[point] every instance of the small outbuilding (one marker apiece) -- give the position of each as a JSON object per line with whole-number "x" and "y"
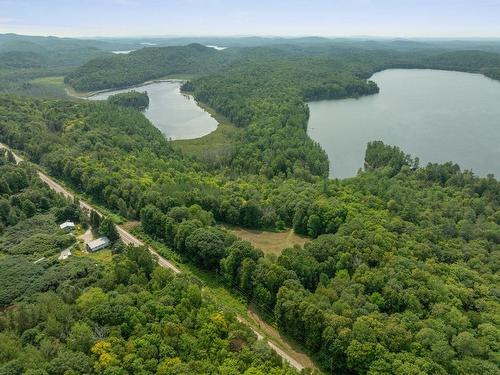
{"x": 98, "y": 244}
{"x": 67, "y": 226}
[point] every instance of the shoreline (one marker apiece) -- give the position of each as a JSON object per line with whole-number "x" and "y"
{"x": 85, "y": 95}
{"x": 189, "y": 95}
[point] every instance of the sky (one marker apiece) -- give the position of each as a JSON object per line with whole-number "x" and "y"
{"x": 330, "y": 18}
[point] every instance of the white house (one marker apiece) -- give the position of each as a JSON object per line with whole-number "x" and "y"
{"x": 98, "y": 244}
{"x": 67, "y": 226}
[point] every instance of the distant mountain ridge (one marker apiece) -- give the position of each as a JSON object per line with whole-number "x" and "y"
{"x": 146, "y": 64}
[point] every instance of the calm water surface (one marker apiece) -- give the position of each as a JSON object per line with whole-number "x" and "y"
{"x": 176, "y": 115}
{"x": 438, "y": 116}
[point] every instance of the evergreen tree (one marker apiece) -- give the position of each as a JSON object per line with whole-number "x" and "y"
{"x": 95, "y": 220}
{"x": 108, "y": 229}
{"x": 11, "y": 158}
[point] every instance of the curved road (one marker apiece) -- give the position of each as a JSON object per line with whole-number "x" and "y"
{"x": 130, "y": 239}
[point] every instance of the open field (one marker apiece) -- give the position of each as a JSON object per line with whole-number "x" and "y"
{"x": 268, "y": 242}
{"x": 51, "y": 86}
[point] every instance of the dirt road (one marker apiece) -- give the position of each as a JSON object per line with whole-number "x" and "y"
{"x": 298, "y": 365}
{"x": 299, "y": 360}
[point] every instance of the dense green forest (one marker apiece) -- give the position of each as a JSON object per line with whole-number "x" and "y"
{"x": 268, "y": 101}
{"x": 129, "y": 317}
{"x": 402, "y": 275}
{"x": 24, "y": 59}
{"x": 143, "y": 65}
{"x": 79, "y": 316}
{"x": 359, "y": 58}
{"x": 132, "y": 99}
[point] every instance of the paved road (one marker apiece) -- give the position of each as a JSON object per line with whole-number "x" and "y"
{"x": 130, "y": 239}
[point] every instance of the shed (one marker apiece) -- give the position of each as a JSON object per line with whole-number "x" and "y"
{"x": 67, "y": 226}
{"x": 98, "y": 244}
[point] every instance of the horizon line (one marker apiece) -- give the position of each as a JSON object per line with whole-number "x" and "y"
{"x": 263, "y": 36}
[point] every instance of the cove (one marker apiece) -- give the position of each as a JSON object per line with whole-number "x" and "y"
{"x": 438, "y": 116}
{"x": 175, "y": 114}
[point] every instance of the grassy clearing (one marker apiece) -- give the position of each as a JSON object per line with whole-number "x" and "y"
{"x": 212, "y": 145}
{"x": 214, "y": 286}
{"x": 268, "y": 242}
{"x": 76, "y": 94}
{"x": 101, "y": 256}
{"x": 52, "y": 86}
{"x": 53, "y": 80}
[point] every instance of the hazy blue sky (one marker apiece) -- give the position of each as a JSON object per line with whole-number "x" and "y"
{"x": 405, "y": 18}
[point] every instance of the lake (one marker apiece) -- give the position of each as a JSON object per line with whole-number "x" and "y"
{"x": 175, "y": 114}
{"x": 438, "y": 116}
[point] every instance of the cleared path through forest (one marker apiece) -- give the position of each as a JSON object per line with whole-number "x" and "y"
{"x": 299, "y": 361}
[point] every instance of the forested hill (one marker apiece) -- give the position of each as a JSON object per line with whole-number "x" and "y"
{"x": 268, "y": 100}
{"x": 487, "y": 63}
{"x": 49, "y": 51}
{"x": 145, "y": 64}
{"x": 360, "y": 57}
{"x": 401, "y": 278}
{"x": 24, "y": 60}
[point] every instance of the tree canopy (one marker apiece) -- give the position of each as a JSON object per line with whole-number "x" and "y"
{"x": 400, "y": 276}
{"x": 132, "y": 99}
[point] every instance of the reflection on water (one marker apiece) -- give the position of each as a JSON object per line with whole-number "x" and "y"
{"x": 176, "y": 115}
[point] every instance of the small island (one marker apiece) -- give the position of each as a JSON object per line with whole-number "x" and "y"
{"x": 131, "y": 99}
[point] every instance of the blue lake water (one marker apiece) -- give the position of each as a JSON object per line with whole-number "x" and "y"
{"x": 436, "y": 115}
{"x": 175, "y": 114}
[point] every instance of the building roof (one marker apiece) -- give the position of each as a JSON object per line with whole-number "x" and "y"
{"x": 67, "y": 224}
{"x": 103, "y": 241}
